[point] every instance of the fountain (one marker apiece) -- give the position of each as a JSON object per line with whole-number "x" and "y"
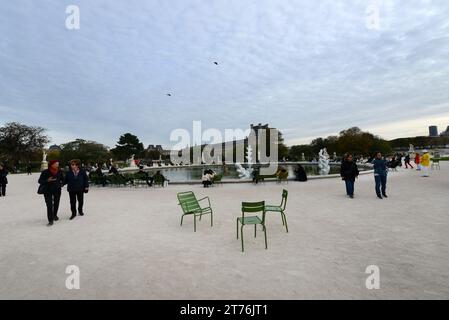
{"x": 323, "y": 162}
{"x": 411, "y": 149}
{"x": 246, "y": 173}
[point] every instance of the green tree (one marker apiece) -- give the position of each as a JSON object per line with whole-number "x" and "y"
{"x": 86, "y": 151}
{"x": 127, "y": 146}
{"x": 295, "y": 152}
{"x": 19, "y": 142}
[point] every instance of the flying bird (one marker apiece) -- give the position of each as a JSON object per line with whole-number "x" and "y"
{"x": 216, "y": 63}
{"x": 169, "y": 94}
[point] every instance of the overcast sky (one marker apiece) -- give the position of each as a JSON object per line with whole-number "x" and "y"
{"x": 309, "y": 68}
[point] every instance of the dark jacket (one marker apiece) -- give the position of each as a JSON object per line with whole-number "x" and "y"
{"x": 380, "y": 167}
{"x": 113, "y": 170}
{"x": 3, "y": 178}
{"x": 78, "y": 183}
{"x": 300, "y": 173}
{"x": 54, "y": 186}
{"x": 349, "y": 170}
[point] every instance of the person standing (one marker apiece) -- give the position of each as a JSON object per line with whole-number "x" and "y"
{"x": 29, "y": 168}
{"x": 3, "y": 180}
{"x": 380, "y": 175}
{"x": 77, "y": 184}
{"x": 425, "y": 163}
{"x": 52, "y": 180}
{"x": 407, "y": 162}
{"x": 418, "y": 161}
{"x": 349, "y": 172}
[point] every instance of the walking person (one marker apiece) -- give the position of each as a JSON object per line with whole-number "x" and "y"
{"x": 51, "y": 181}
{"x": 407, "y": 162}
{"x": 3, "y": 180}
{"x": 425, "y": 163}
{"x": 418, "y": 161}
{"x": 349, "y": 172}
{"x": 29, "y": 168}
{"x": 77, "y": 184}
{"x": 380, "y": 175}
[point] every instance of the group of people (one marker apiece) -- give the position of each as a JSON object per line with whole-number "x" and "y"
{"x": 349, "y": 173}
{"x": 53, "y": 179}
{"x": 208, "y": 178}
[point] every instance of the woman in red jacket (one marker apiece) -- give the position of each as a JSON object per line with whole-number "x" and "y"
{"x": 417, "y": 161}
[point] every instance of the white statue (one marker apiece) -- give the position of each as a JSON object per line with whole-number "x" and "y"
{"x": 303, "y": 157}
{"x": 323, "y": 162}
{"x": 44, "y": 163}
{"x": 132, "y": 162}
{"x": 411, "y": 149}
{"x": 246, "y": 173}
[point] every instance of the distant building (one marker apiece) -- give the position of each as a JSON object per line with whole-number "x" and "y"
{"x": 54, "y": 148}
{"x": 445, "y": 133}
{"x": 152, "y": 147}
{"x": 433, "y": 131}
{"x": 158, "y": 147}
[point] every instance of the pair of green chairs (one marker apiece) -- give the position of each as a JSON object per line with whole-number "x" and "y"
{"x": 260, "y": 207}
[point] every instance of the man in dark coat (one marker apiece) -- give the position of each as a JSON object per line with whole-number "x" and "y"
{"x": 52, "y": 179}
{"x": 3, "y": 180}
{"x": 349, "y": 172}
{"x": 77, "y": 184}
{"x": 380, "y": 175}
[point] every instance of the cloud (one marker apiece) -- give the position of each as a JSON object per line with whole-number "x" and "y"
{"x": 312, "y": 67}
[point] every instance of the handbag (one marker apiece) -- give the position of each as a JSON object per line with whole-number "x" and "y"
{"x": 42, "y": 189}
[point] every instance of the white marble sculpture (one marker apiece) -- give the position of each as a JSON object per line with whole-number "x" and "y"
{"x": 132, "y": 162}
{"x": 303, "y": 157}
{"x": 246, "y": 173}
{"x": 323, "y": 162}
{"x": 411, "y": 149}
{"x": 44, "y": 163}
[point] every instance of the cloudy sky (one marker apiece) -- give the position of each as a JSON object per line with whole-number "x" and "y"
{"x": 309, "y": 68}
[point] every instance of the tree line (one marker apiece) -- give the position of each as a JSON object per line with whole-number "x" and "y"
{"x": 20, "y": 144}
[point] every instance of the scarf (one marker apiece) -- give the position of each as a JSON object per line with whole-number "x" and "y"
{"x": 53, "y": 171}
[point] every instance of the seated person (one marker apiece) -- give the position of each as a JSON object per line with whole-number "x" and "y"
{"x": 206, "y": 179}
{"x": 145, "y": 176}
{"x": 100, "y": 175}
{"x": 159, "y": 178}
{"x": 300, "y": 173}
{"x": 113, "y": 170}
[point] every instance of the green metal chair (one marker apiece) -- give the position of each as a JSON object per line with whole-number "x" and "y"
{"x": 280, "y": 208}
{"x": 190, "y": 206}
{"x": 252, "y": 207}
